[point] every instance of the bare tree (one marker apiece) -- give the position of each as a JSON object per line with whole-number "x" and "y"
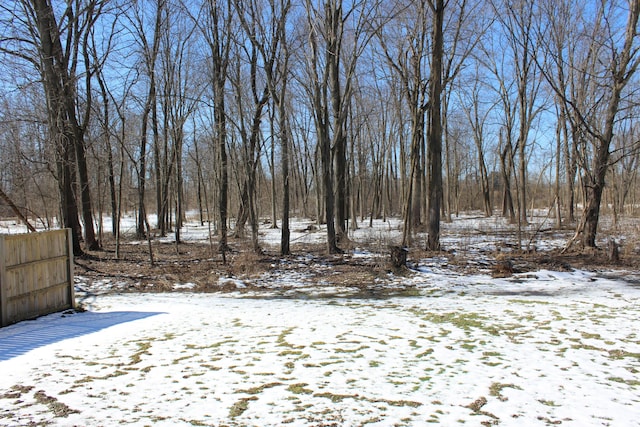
{"x": 516, "y": 19}
{"x": 42, "y": 47}
{"x": 434, "y": 133}
{"x": 477, "y": 116}
{"x": 215, "y": 23}
{"x": 405, "y": 55}
{"x": 149, "y": 50}
{"x": 180, "y": 89}
{"x": 330, "y": 28}
{"x": 604, "y": 61}
{"x": 263, "y": 25}
{"x": 278, "y": 81}
{"x": 465, "y": 25}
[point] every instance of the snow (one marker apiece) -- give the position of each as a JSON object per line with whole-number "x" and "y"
{"x": 538, "y": 348}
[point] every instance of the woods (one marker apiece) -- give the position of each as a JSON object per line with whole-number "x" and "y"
{"x": 343, "y": 111}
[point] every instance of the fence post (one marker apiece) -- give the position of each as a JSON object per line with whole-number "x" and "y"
{"x": 70, "y": 265}
{"x": 3, "y": 282}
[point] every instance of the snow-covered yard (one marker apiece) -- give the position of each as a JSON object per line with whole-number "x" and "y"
{"x": 446, "y": 347}
{"x": 557, "y": 348}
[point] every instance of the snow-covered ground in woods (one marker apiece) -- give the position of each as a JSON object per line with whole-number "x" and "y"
{"x": 541, "y": 348}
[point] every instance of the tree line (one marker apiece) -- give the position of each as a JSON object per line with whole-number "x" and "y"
{"x": 339, "y": 110}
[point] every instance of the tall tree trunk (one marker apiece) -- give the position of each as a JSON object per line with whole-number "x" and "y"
{"x": 435, "y": 129}
{"x": 142, "y": 168}
{"x": 55, "y": 78}
{"x": 221, "y": 137}
{"x": 67, "y": 195}
{"x": 285, "y": 236}
{"x": 180, "y": 210}
{"x": 559, "y": 126}
{"x": 329, "y": 199}
{"x": 506, "y": 160}
{"x": 272, "y": 171}
{"x": 110, "y": 165}
{"x": 417, "y": 149}
{"x": 85, "y": 192}
{"x": 571, "y": 166}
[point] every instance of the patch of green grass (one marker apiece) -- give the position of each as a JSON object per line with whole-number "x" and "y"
{"x": 374, "y": 363}
{"x": 587, "y": 335}
{"x": 495, "y": 389}
{"x": 548, "y": 402}
{"x": 353, "y": 350}
{"x": 468, "y": 346}
{"x": 461, "y": 320}
{"x": 424, "y": 353}
{"x": 299, "y": 388}
{"x": 632, "y": 383}
{"x": 196, "y": 423}
{"x": 526, "y": 301}
{"x": 409, "y": 403}
{"x": 290, "y": 353}
{"x": 282, "y": 339}
{"x": 240, "y": 406}
{"x": 336, "y": 398}
{"x": 259, "y": 389}
{"x": 409, "y": 292}
{"x": 212, "y": 345}
{"x": 582, "y": 346}
{"x": 333, "y": 362}
{"x": 88, "y": 379}
{"x": 180, "y": 359}
{"x": 143, "y": 348}
{"x": 210, "y": 367}
{"x": 621, "y": 354}
{"x": 197, "y": 374}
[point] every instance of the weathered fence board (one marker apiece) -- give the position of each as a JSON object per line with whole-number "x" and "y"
{"x": 36, "y": 275}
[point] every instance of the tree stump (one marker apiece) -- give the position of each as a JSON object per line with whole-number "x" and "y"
{"x": 399, "y": 256}
{"x": 503, "y": 268}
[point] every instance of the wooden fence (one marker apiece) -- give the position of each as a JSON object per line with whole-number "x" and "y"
{"x": 36, "y": 275}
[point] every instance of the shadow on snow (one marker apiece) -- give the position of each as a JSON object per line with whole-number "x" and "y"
{"x": 28, "y": 335}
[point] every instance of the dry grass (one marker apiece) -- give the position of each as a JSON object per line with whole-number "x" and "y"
{"x": 198, "y": 263}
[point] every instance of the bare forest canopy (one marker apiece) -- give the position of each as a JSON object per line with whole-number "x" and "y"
{"x": 243, "y": 110}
